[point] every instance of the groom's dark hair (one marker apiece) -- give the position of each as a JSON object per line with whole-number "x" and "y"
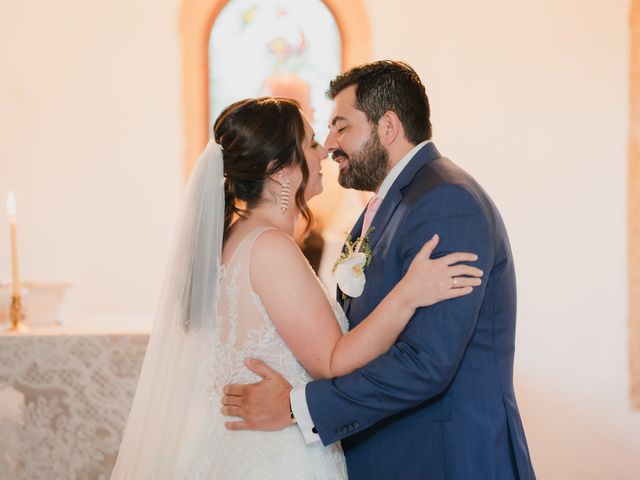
{"x": 388, "y": 85}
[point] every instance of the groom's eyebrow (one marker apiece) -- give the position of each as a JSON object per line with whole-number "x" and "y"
{"x": 336, "y": 119}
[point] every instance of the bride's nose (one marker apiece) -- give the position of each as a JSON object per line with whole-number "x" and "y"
{"x": 324, "y": 153}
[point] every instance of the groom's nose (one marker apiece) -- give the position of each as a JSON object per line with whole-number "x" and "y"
{"x": 330, "y": 142}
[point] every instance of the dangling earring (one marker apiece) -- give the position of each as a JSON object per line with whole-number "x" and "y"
{"x": 284, "y": 195}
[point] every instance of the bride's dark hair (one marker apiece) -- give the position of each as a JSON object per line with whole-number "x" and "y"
{"x": 259, "y": 136}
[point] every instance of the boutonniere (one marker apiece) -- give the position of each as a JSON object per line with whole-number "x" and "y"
{"x": 349, "y": 268}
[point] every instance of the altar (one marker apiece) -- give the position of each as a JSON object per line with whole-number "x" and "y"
{"x": 65, "y": 394}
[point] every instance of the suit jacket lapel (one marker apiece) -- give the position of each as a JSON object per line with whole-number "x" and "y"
{"x": 357, "y": 228}
{"x": 390, "y": 203}
{"x": 384, "y": 214}
{"x": 393, "y": 197}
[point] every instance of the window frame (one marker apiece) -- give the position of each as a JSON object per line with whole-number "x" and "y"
{"x": 633, "y": 211}
{"x": 196, "y": 20}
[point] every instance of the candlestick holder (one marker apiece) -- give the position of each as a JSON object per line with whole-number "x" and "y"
{"x": 15, "y": 313}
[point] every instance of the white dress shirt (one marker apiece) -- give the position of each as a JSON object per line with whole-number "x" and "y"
{"x": 298, "y": 395}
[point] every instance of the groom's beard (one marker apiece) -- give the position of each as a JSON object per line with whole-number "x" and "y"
{"x": 367, "y": 168}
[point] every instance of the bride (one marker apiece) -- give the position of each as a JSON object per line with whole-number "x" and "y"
{"x": 244, "y": 289}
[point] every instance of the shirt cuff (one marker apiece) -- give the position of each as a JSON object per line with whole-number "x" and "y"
{"x": 298, "y": 397}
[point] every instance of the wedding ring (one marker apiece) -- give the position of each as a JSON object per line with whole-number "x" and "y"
{"x": 454, "y": 281}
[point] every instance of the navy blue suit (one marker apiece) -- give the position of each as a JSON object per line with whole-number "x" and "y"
{"x": 440, "y": 403}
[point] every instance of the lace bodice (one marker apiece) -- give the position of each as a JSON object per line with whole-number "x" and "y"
{"x": 244, "y": 329}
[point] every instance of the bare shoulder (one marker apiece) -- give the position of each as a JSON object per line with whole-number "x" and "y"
{"x": 274, "y": 242}
{"x": 275, "y": 251}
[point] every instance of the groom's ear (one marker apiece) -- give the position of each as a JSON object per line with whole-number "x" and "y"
{"x": 389, "y": 128}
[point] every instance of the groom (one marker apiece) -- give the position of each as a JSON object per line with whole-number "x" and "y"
{"x": 440, "y": 403}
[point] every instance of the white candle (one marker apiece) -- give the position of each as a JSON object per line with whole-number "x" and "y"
{"x": 11, "y": 210}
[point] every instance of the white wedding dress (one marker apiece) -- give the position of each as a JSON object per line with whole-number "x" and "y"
{"x": 243, "y": 329}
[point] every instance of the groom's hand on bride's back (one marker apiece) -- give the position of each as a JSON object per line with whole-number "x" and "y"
{"x": 263, "y": 405}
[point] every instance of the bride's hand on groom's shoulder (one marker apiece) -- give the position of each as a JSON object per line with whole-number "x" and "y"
{"x": 429, "y": 281}
{"x": 263, "y": 405}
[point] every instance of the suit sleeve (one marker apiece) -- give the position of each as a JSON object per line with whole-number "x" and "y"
{"x": 426, "y": 357}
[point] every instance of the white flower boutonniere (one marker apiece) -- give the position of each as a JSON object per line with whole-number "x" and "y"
{"x": 349, "y": 268}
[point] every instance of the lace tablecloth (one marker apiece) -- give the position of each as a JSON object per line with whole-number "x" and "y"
{"x": 64, "y": 401}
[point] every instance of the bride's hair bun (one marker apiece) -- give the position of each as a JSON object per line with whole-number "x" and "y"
{"x": 259, "y": 136}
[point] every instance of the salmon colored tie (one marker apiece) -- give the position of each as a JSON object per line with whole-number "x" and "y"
{"x": 372, "y": 208}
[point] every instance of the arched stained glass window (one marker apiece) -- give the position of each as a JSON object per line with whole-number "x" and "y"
{"x": 288, "y": 48}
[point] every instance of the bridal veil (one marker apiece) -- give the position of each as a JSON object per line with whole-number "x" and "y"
{"x": 169, "y": 397}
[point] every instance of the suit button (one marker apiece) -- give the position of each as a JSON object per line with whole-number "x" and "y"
{"x": 314, "y": 430}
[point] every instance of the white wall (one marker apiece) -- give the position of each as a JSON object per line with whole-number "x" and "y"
{"x": 529, "y": 96}
{"x": 90, "y": 140}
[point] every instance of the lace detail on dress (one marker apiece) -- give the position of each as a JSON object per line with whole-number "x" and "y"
{"x": 341, "y": 317}
{"x": 232, "y": 302}
{"x": 243, "y": 330}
